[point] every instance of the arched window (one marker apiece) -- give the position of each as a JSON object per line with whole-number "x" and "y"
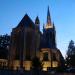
{"x": 45, "y": 58}
{"x": 28, "y": 45}
{"x": 54, "y": 57}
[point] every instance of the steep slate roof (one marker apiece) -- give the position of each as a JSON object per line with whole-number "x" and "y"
{"x": 27, "y": 22}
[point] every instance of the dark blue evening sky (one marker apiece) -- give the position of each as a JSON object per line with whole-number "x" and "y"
{"x": 62, "y": 14}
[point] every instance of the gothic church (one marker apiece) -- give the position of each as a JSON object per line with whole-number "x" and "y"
{"x": 27, "y": 41}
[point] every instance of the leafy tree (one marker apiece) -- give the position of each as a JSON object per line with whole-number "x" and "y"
{"x": 4, "y": 45}
{"x": 36, "y": 66}
{"x": 70, "y": 48}
{"x": 4, "y": 40}
{"x": 36, "y": 63}
{"x": 70, "y": 55}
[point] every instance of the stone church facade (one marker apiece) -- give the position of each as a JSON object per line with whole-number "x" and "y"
{"x": 27, "y": 41}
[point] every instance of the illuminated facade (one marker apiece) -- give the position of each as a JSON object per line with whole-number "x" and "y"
{"x": 27, "y": 41}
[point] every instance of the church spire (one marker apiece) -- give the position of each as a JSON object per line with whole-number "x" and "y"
{"x": 37, "y": 23}
{"x": 49, "y": 24}
{"x": 48, "y": 17}
{"x": 37, "y": 20}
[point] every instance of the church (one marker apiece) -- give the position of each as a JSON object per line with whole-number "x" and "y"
{"x": 27, "y": 41}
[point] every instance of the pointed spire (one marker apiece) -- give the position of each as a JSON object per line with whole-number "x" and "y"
{"x": 48, "y": 17}
{"x": 37, "y": 23}
{"x": 49, "y": 23}
{"x": 53, "y": 25}
{"x": 37, "y": 20}
{"x": 43, "y": 27}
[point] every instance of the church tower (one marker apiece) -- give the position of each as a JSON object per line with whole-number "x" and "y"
{"x": 37, "y": 35}
{"x": 50, "y": 54}
{"x": 37, "y": 23}
{"x": 49, "y": 32}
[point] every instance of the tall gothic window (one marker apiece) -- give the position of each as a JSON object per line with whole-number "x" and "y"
{"x": 45, "y": 58}
{"x": 54, "y": 57}
{"x": 28, "y": 45}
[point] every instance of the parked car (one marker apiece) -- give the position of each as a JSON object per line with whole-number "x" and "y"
{"x": 72, "y": 70}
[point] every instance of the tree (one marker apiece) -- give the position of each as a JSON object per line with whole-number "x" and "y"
{"x": 70, "y": 47}
{"x": 36, "y": 63}
{"x": 4, "y": 40}
{"x": 70, "y": 55}
{"x": 4, "y": 46}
